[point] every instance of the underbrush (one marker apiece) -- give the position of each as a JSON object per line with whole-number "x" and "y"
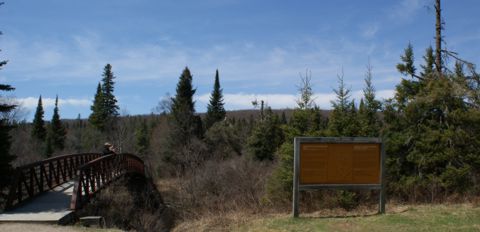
{"x": 131, "y": 203}
{"x": 225, "y": 194}
{"x": 217, "y": 187}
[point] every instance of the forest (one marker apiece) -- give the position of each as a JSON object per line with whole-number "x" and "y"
{"x": 220, "y": 162}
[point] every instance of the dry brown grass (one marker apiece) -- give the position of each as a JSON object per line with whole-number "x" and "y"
{"x": 212, "y": 194}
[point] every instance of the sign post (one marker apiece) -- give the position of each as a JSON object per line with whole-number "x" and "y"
{"x": 338, "y": 163}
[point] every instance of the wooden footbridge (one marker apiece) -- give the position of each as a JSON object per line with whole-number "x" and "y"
{"x": 52, "y": 190}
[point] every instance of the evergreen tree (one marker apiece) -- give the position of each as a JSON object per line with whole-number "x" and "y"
{"x": 104, "y": 108}
{"x": 110, "y": 106}
{"x": 305, "y": 121}
{"x": 409, "y": 88}
{"x": 48, "y": 147}
{"x": 343, "y": 120}
{"x": 97, "y": 118}
{"x": 283, "y": 119}
{"x": 432, "y": 137}
{"x": 183, "y": 108}
{"x": 370, "y": 123}
{"x": 407, "y": 66}
{"x": 185, "y": 127}
{"x": 215, "y": 110}
{"x": 142, "y": 139}
{"x": 38, "y": 131}
{"x": 429, "y": 58}
{"x": 6, "y": 158}
{"x": 57, "y": 132}
{"x": 266, "y": 137}
{"x": 306, "y": 93}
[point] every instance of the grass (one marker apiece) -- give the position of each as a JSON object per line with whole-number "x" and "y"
{"x": 459, "y": 217}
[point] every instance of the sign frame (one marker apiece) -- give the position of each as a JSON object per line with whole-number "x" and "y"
{"x": 336, "y": 140}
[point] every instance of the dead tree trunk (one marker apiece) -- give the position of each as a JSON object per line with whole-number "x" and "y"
{"x": 438, "y": 38}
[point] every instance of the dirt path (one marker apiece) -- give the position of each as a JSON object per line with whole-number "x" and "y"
{"x": 27, "y": 227}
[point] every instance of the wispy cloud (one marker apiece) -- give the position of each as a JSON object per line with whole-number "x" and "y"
{"x": 404, "y": 10}
{"x": 370, "y": 30}
{"x": 81, "y": 59}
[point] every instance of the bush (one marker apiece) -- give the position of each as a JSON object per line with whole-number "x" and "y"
{"x": 348, "y": 200}
{"x": 219, "y": 186}
{"x": 131, "y": 203}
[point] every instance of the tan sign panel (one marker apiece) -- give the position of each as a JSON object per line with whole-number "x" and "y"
{"x": 340, "y": 163}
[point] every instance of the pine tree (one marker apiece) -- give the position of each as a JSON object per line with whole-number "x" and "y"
{"x": 306, "y": 94}
{"x": 109, "y": 101}
{"x": 429, "y": 59}
{"x": 97, "y": 118}
{"x": 48, "y": 147}
{"x": 185, "y": 127}
{"x": 342, "y": 120}
{"x": 142, "y": 139}
{"x": 305, "y": 121}
{"x": 183, "y": 107}
{"x": 266, "y": 137}
{"x": 407, "y": 67}
{"x": 409, "y": 88}
{"x": 370, "y": 123}
{"x": 283, "y": 119}
{"x": 104, "y": 108}
{"x": 6, "y": 158}
{"x": 215, "y": 110}
{"x": 57, "y": 132}
{"x": 432, "y": 138}
{"x": 38, "y": 131}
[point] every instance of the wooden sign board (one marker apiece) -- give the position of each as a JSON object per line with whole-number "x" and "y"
{"x": 338, "y": 163}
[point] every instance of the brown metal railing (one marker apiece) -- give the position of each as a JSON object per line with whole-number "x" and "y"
{"x": 36, "y": 178}
{"x": 94, "y": 175}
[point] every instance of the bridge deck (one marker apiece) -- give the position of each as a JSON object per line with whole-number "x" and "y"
{"x": 50, "y": 207}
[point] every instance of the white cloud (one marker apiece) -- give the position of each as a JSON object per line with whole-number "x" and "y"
{"x": 280, "y": 101}
{"x": 32, "y": 102}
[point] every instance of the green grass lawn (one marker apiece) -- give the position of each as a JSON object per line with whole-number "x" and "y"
{"x": 413, "y": 218}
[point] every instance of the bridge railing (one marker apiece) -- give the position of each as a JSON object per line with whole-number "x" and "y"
{"x": 33, "y": 179}
{"x": 99, "y": 172}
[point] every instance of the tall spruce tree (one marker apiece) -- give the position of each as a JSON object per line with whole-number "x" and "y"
{"x": 57, "y": 132}
{"x": 97, "y": 117}
{"x": 109, "y": 101}
{"x": 215, "y": 110}
{"x": 104, "y": 108}
{"x": 38, "y": 131}
{"x": 6, "y": 158}
{"x": 183, "y": 107}
{"x": 184, "y": 125}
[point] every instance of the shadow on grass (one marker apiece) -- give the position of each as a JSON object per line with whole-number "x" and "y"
{"x": 362, "y": 215}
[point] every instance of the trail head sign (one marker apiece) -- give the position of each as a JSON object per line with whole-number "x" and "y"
{"x": 338, "y": 163}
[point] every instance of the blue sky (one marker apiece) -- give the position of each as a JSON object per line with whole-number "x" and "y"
{"x": 260, "y": 47}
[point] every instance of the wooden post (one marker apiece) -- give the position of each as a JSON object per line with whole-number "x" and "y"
{"x": 296, "y": 171}
{"x": 381, "y": 208}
